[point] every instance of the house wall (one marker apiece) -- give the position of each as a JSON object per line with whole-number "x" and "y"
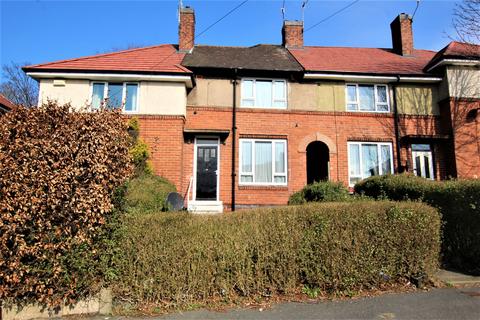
{"x": 417, "y": 99}
{"x": 155, "y": 98}
{"x": 316, "y": 96}
{"x": 299, "y": 128}
{"x": 76, "y": 92}
{"x": 463, "y": 82}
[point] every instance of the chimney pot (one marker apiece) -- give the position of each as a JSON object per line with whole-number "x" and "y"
{"x": 292, "y": 34}
{"x": 186, "y": 29}
{"x": 402, "y": 35}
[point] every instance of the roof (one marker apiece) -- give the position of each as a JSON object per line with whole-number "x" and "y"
{"x": 460, "y": 50}
{"x": 155, "y": 59}
{"x": 362, "y": 60}
{"x": 260, "y": 57}
{"x": 7, "y": 104}
{"x": 456, "y": 50}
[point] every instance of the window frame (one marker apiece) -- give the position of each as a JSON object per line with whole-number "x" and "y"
{"x": 252, "y": 173}
{"x": 379, "y": 154}
{"x": 254, "y": 97}
{"x": 375, "y": 92}
{"x": 124, "y": 93}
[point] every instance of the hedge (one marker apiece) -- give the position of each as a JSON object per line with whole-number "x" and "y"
{"x": 59, "y": 169}
{"x": 458, "y": 202}
{"x": 147, "y": 194}
{"x": 179, "y": 259}
{"x": 320, "y": 191}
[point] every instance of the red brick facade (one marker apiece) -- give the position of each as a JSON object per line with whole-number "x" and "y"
{"x": 173, "y": 152}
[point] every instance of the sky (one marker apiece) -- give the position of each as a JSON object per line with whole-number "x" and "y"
{"x": 43, "y": 31}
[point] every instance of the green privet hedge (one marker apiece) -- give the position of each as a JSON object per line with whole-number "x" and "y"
{"x": 458, "y": 202}
{"x": 147, "y": 194}
{"x": 329, "y": 246}
{"x": 320, "y": 191}
{"x": 58, "y": 170}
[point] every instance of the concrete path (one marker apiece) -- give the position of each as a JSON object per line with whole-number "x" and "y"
{"x": 446, "y": 303}
{"x": 456, "y": 278}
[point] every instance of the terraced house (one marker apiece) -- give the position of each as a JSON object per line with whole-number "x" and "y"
{"x": 245, "y": 126}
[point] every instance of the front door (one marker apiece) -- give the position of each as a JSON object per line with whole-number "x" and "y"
{"x": 422, "y": 161}
{"x": 207, "y": 170}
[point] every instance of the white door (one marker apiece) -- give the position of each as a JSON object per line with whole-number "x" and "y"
{"x": 423, "y": 164}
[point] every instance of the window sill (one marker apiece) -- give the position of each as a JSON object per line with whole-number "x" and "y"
{"x": 263, "y": 187}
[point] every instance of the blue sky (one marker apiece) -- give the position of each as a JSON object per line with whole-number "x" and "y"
{"x": 42, "y": 31}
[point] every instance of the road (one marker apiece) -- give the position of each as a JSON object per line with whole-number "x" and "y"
{"x": 446, "y": 303}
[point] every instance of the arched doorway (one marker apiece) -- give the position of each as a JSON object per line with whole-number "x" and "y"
{"x": 318, "y": 158}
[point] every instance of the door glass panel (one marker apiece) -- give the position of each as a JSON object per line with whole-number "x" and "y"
{"x": 418, "y": 166}
{"x": 420, "y": 147}
{"x": 427, "y": 166}
{"x": 207, "y": 141}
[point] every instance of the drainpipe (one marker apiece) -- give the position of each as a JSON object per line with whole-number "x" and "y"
{"x": 234, "y": 136}
{"x": 397, "y": 125}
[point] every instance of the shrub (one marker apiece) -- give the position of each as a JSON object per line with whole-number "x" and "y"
{"x": 139, "y": 151}
{"x": 329, "y": 246}
{"x": 59, "y": 169}
{"x": 147, "y": 194}
{"x": 320, "y": 191}
{"x": 458, "y": 202}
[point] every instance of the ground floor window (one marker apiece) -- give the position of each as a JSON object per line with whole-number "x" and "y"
{"x": 367, "y": 159}
{"x": 263, "y": 162}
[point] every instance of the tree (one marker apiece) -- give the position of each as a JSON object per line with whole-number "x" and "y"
{"x": 466, "y": 21}
{"x": 17, "y": 86}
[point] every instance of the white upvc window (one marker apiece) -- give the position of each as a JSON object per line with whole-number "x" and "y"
{"x": 264, "y": 93}
{"x": 263, "y": 162}
{"x": 367, "y": 159}
{"x": 123, "y": 95}
{"x": 367, "y": 97}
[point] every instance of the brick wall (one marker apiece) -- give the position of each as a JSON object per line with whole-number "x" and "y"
{"x": 292, "y": 34}
{"x": 186, "y": 29}
{"x": 172, "y": 153}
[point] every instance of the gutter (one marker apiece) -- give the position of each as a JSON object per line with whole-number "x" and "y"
{"x": 113, "y": 76}
{"x": 455, "y": 62}
{"x": 397, "y": 126}
{"x": 384, "y": 79}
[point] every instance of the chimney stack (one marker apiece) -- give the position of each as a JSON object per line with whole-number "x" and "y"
{"x": 292, "y": 34}
{"x": 186, "y": 29}
{"x": 402, "y": 35}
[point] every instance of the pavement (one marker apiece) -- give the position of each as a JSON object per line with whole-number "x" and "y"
{"x": 443, "y": 303}
{"x": 461, "y": 300}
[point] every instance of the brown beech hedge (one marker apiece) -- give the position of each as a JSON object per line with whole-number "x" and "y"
{"x": 58, "y": 171}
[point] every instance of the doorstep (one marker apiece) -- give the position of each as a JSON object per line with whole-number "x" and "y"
{"x": 205, "y": 207}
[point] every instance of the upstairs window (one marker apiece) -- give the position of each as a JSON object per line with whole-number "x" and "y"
{"x": 367, "y": 98}
{"x": 263, "y": 93}
{"x": 123, "y": 95}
